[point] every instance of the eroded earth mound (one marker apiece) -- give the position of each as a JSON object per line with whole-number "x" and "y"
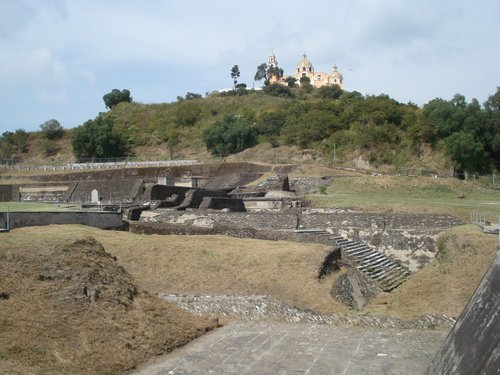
{"x": 72, "y": 309}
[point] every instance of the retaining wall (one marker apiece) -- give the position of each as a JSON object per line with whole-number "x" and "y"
{"x": 9, "y": 193}
{"x": 104, "y": 220}
{"x": 473, "y": 344}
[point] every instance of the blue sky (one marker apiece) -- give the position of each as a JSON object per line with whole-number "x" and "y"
{"x": 58, "y": 58}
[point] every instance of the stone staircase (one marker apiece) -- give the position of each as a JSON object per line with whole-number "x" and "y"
{"x": 384, "y": 271}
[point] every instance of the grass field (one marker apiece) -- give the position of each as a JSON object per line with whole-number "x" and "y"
{"x": 34, "y": 206}
{"x": 411, "y": 194}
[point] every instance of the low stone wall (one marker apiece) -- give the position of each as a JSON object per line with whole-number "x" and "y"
{"x": 104, "y": 220}
{"x": 143, "y": 227}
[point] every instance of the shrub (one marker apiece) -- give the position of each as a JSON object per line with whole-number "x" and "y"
{"x": 231, "y": 135}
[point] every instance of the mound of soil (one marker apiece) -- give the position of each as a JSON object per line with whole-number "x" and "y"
{"x": 72, "y": 309}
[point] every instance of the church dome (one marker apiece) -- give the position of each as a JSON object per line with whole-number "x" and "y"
{"x": 337, "y": 74}
{"x": 304, "y": 63}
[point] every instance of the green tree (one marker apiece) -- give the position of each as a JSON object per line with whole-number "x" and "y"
{"x": 467, "y": 153}
{"x": 270, "y": 123}
{"x": 231, "y": 135}
{"x": 305, "y": 84}
{"x": 329, "y": 92}
{"x": 261, "y": 73}
{"x": 14, "y": 142}
{"x": 291, "y": 81}
{"x": 192, "y": 96}
{"x": 235, "y": 73}
{"x": 97, "y": 139}
{"x": 52, "y": 129}
{"x": 115, "y": 97}
{"x": 275, "y": 89}
{"x": 274, "y": 71}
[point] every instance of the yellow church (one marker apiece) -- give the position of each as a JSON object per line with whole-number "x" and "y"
{"x": 306, "y": 69}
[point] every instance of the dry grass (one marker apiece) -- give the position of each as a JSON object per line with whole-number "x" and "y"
{"x": 209, "y": 264}
{"x": 447, "y": 283}
{"x": 50, "y": 325}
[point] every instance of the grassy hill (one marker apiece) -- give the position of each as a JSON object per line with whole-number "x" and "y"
{"x": 369, "y": 132}
{"x": 303, "y": 130}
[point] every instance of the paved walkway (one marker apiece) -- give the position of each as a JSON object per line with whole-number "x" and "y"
{"x": 282, "y": 348}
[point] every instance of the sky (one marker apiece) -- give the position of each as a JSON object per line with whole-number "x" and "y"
{"x": 58, "y": 58}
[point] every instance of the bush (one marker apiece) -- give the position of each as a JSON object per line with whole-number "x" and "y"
{"x": 52, "y": 129}
{"x": 329, "y": 92}
{"x": 13, "y": 143}
{"x": 229, "y": 136}
{"x": 96, "y": 138}
{"x": 275, "y": 89}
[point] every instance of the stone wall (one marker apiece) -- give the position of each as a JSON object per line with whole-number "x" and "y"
{"x": 105, "y": 220}
{"x": 221, "y": 203}
{"x": 109, "y": 190}
{"x": 410, "y": 239}
{"x": 161, "y": 192}
{"x": 194, "y": 197}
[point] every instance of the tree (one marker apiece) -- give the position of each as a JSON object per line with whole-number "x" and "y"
{"x": 52, "y": 129}
{"x": 261, "y": 73}
{"x": 192, "y": 95}
{"x": 467, "y": 153}
{"x": 232, "y": 134}
{"x": 235, "y": 73}
{"x": 172, "y": 139}
{"x": 14, "y": 142}
{"x": 291, "y": 81}
{"x": 115, "y": 97}
{"x": 305, "y": 84}
{"x": 274, "y": 71}
{"x": 329, "y": 92}
{"x": 97, "y": 139}
{"x": 275, "y": 89}
{"x": 270, "y": 123}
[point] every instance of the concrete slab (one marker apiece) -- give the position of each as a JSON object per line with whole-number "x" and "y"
{"x": 281, "y": 348}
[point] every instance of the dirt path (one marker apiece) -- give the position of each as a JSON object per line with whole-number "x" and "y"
{"x": 281, "y": 348}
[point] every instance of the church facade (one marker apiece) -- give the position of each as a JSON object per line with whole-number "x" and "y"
{"x": 306, "y": 69}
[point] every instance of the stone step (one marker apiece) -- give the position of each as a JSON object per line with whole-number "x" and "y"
{"x": 397, "y": 275}
{"x": 374, "y": 255}
{"x": 384, "y": 271}
{"x": 350, "y": 245}
{"x": 376, "y": 265}
{"x": 358, "y": 255}
{"x": 356, "y": 250}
